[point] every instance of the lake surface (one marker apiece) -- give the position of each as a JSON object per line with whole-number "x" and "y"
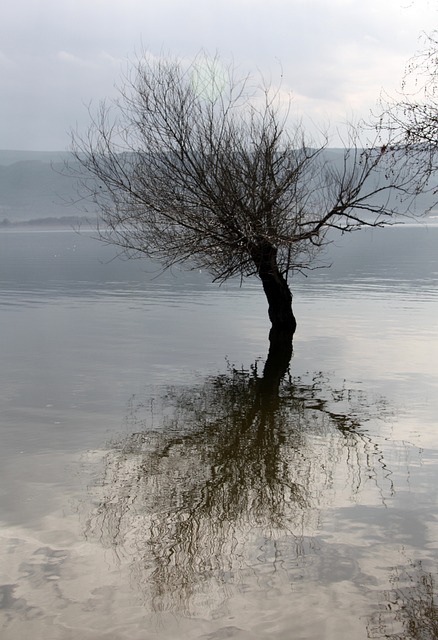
{"x": 157, "y": 483}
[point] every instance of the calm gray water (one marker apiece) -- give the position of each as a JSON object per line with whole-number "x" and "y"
{"x": 154, "y": 486}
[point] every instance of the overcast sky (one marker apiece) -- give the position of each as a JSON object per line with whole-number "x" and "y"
{"x": 336, "y": 55}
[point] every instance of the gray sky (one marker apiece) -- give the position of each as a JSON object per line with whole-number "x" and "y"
{"x": 336, "y": 55}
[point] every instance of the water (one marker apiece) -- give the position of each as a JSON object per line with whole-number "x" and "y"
{"x": 157, "y": 484}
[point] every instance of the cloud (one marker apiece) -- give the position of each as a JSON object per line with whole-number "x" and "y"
{"x": 69, "y": 58}
{"x": 333, "y": 55}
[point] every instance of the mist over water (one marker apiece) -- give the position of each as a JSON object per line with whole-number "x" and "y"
{"x": 158, "y": 481}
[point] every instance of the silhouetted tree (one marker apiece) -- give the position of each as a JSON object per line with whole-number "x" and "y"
{"x": 195, "y": 165}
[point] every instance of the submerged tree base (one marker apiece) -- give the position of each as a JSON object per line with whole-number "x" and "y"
{"x": 279, "y": 357}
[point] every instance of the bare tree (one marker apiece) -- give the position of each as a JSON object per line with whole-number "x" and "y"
{"x": 195, "y": 165}
{"x": 411, "y": 118}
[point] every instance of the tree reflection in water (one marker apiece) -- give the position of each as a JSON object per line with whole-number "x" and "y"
{"x": 225, "y": 479}
{"x": 411, "y": 609}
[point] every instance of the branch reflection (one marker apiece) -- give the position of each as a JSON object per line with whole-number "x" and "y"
{"x": 411, "y": 609}
{"x": 225, "y": 479}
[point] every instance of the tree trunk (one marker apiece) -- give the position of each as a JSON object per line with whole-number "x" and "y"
{"x": 276, "y": 290}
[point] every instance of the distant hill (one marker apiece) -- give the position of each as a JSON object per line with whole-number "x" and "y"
{"x": 35, "y": 186}
{"x": 8, "y": 157}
